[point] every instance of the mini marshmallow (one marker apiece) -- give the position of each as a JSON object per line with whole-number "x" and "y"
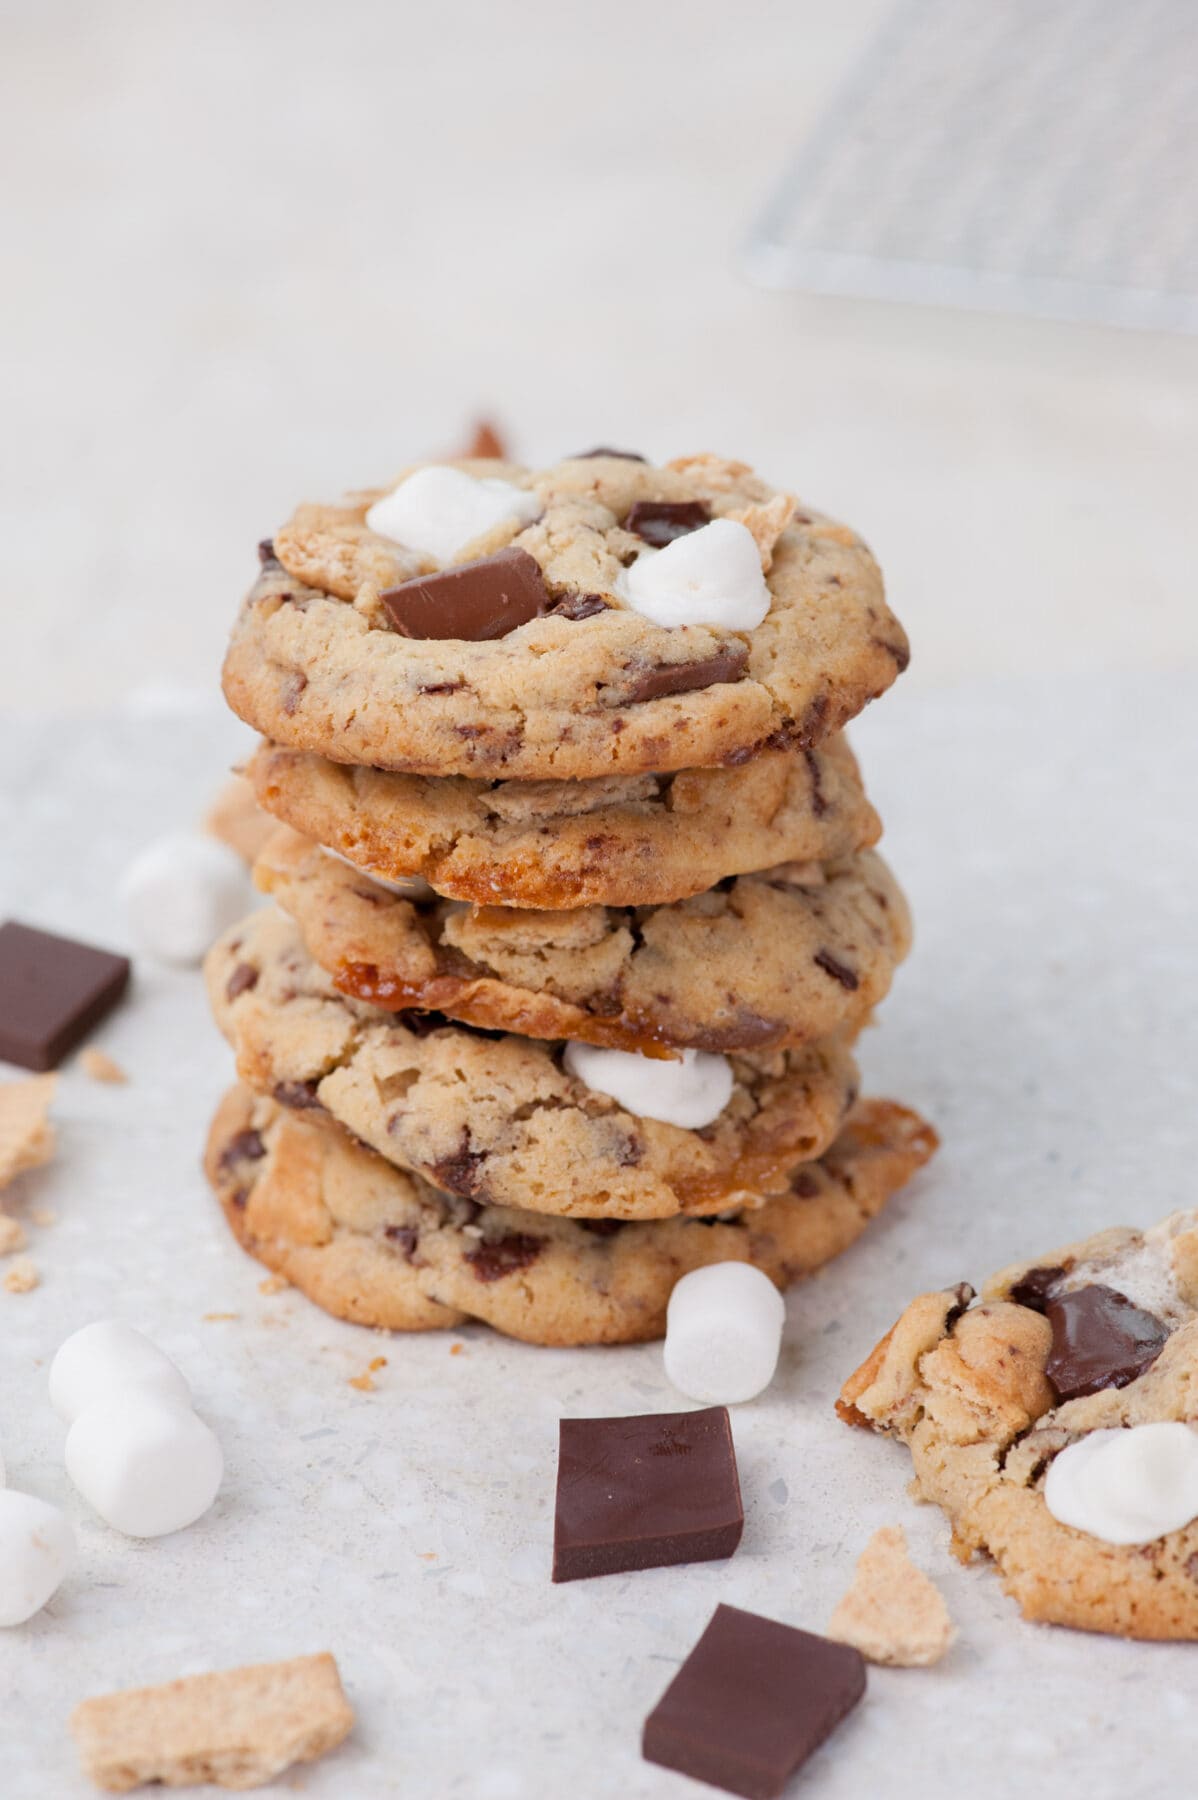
{"x": 105, "y": 1357}
{"x": 181, "y": 892}
{"x": 709, "y": 577}
{"x": 723, "y": 1333}
{"x": 1126, "y": 1486}
{"x": 440, "y": 511}
{"x": 144, "y": 1461}
{"x": 690, "y": 1091}
{"x": 37, "y": 1549}
{"x": 411, "y": 887}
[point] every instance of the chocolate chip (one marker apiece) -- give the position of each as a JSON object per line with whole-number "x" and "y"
{"x": 604, "y": 450}
{"x": 745, "y": 1030}
{"x": 459, "y": 1174}
{"x": 496, "y": 1257}
{"x": 659, "y": 522}
{"x": 1034, "y": 1289}
{"x": 474, "y": 602}
{"x": 579, "y": 606}
{"x": 824, "y": 959}
{"x": 1100, "y": 1339}
{"x": 900, "y": 653}
{"x": 246, "y": 1146}
{"x": 753, "y": 1700}
{"x": 819, "y": 804}
{"x": 602, "y": 1228}
{"x": 293, "y": 692}
{"x": 299, "y": 1095}
{"x": 441, "y": 687}
{"x": 645, "y": 1493}
{"x": 804, "y": 1184}
{"x": 684, "y": 677}
{"x": 244, "y": 977}
{"x": 266, "y": 551}
{"x": 813, "y": 725}
{"x": 52, "y": 991}
{"x": 406, "y": 1236}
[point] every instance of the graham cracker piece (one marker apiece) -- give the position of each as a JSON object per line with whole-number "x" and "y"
{"x": 100, "y": 1066}
{"x": 22, "y": 1276}
{"x": 892, "y": 1613}
{"x": 238, "y": 1728}
{"x": 26, "y": 1135}
{"x": 237, "y": 820}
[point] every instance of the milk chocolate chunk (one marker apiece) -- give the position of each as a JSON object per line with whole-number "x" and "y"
{"x": 474, "y": 602}
{"x": 605, "y": 450}
{"x": 1034, "y": 1289}
{"x": 684, "y": 677}
{"x": 53, "y": 990}
{"x": 645, "y": 1492}
{"x": 753, "y": 1700}
{"x": 1100, "y": 1339}
{"x": 659, "y": 522}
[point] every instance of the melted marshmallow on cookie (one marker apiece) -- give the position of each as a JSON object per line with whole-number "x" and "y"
{"x": 1127, "y": 1486}
{"x": 691, "y": 1091}
{"x": 709, "y": 577}
{"x": 439, "y": 511}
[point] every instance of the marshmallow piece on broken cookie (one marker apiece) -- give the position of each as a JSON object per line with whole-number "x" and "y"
{"x": 723, "y": 1333}
{"x": 144, "y": 1461}
{"x": 104, "y": 1357}
{"x": 708, "y": 577}
{"x": 690, "y": 1090}
{"x": 37, "y": 1549}
{"x": 181, "y": 892}
{"x": 439, "y": 511}
{"x": 1127, "y": 1486}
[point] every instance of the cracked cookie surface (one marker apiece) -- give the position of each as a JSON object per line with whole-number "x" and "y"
{"x": 968, "y": 1388}
{"x": 768, "y": 960}
{"x": 497, "y": 1118}
{"x": 314, "y": 663}
{"x": 623, "y": 840}
{"x": 375, "y": 1245}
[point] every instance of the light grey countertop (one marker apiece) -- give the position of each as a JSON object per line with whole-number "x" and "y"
{"x": 1046, "y": 1025}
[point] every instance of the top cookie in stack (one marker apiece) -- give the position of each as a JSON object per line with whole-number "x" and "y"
{"x": 611, "y": 918}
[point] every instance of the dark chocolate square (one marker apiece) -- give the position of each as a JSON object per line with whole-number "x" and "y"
{"x": 52, "y": 991}
{"x": 753, "y": 1700}
{"x": 645, "y": 1492}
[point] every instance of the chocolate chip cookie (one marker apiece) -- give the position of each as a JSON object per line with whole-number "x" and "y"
{"x": 552, "y": 671}
{"x": 375, "y": 1245}
{"x": 618, "y": 840}
{"x": 497, "y": 1118}
{"x": 769, "y": 960}
{"x": 1100, "y": 1336}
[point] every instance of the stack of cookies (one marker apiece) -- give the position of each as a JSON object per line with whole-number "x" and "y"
{"x": 577, "y": 912}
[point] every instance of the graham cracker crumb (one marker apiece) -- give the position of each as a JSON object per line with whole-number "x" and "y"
{"x": 364, "y": 1382}
{"x": 12, "y": 1235}
{"x": 238, "y": 1728}
{"x": 101, "y": 1067}
{"x": 238, "y": 821}
{"x": 22, "y": 1277}
{"x": 26, "y": 1135}
{"x": 274, "y": 1284}
{"x": 892, "y": 1613}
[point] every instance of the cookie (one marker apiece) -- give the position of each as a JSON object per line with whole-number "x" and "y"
{"x": 762, "y": 961}
{"x": 380, "y": 1247}
{"x": 618, "y": 840}
{"x": 978, "y": 1393}
{"x": 497, "y": 1118}
{"x": 585, "y": 685}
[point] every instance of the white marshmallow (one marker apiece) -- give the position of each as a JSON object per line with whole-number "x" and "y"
{"x": 144, "y": 1461}
{"x": 37, "y": 1549}
{"x": 709, "y": 577}
{"x": 181, "y": 892}
{"x": 439, "y": 511}
{"x": 1127, "y": 1487}
{"x": 691, "y": 1091}
{"x": 412, "y": 887}
{"x": 104, "y": 1357}
{"x": 723, "y": 1333}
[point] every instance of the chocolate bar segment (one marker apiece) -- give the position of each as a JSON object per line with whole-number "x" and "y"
{"x": 1100, "y": 1339}
{"x": 659, "y": 522}
{"x": 53, "y": 990}
{"x": 645, "y": 1492}
{"x": 685, "y": 677}
{"x": 474, "y": 602}
{"x": 753, "y": 1700}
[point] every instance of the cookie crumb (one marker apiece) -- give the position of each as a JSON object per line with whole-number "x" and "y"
{"x": 12, "y": 1235}
{"x": 892, "y": 1612}
{"x": 238, "y": 821}
{"x": 365, "y": 1382}
{"x": 238, "y": 1728}
{"x": 42, "y": 1216}
{"x": 101, "y": 1067}
{"x": 26, "y": 1135}
{"x": 218, "y": 1318}
{"x": 274, "y": 1284}
{"x": 22, "y": 1277}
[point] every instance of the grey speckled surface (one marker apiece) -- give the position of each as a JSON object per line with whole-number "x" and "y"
{"x": 1046, "y": 1023}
